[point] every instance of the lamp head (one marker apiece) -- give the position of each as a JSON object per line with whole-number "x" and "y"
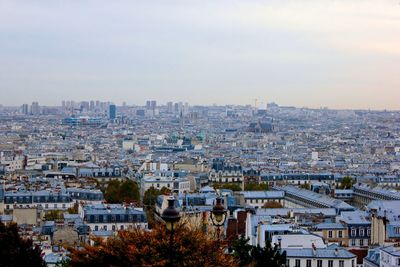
{"x": 170, "y": 215}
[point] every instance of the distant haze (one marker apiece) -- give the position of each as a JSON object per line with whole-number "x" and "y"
{"x": 340, "y": 54}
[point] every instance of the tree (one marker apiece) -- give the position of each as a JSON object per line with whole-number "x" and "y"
{"x": 347, "y": 182}
{"x": 191, "y": 247}
{"x": 268, "y": 256}
{"x": 54, "y": 215}
{"x": 255, "y": 187}
{"x": 151, "y": 194}
{"x": 149, "y": 200}
{"x": 241, "y": 251}
{"x": 15, "y": 251}
{"x": 129, "y": 191}
{"x": 249, "y": 255}
{"x": 117, "y": 192}
{"x": 74, "y": 209}
{"x": 305, "y": 186}
{"x": 272, "y": 205}
{"x": 111, "y": 194}
{"x": 230, "y": 186}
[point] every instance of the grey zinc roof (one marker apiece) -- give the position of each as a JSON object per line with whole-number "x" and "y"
{"x": 390, "y": 207}
{"x": 263, "y": 194}
{"x": 320, "y": 253}
{"x": 110, "y": 209}
{"x": 392, "y": 250}
{"x": 315, "y": 197}
{"x": 284, "y": 211}
{"x": 354, "y": 217}
{"x": 391, "y": 193}
{"x": 323, "y": 226}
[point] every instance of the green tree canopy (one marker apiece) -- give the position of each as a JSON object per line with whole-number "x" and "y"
{"x": 118, "y": 192}
{"x": 347, "y": 183}
{"x": 256, "y": 256}
{"x": 255, "y": 187}
{"x": 151, "y": 194}
{"x": 54, "y": 215}
{"x": 230, "y": 186}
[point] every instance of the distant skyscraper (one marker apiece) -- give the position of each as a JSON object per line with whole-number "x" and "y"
{"x": 91, "y": 105}
{"x": 25, "y": 109}
{"x": 35, "y": 108}
{"x": 170, "y": 107}
{"x": 84, "y": 106}
{"x": 112, "y": 112}
{"x": 153, "y": 104}
{"x": 178, "y": 107}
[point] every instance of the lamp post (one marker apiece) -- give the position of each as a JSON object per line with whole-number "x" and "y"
{"x": 218, "y": 215}
{"x": 171, "y": 217}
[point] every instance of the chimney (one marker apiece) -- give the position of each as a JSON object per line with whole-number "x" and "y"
{"x": 336, "y": 252}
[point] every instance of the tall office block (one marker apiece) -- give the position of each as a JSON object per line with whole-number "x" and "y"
{"x": 35, "y": 108}
{"x": 25, "y": 109}
{"x": 112, "y": 112}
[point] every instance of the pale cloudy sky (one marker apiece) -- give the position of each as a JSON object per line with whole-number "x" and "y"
{"x": 340, "y": 54}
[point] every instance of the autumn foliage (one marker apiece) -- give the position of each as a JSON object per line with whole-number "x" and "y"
{"x": 16, "y": 251}
{"x": 272, "y": 205}
{"x": 151, "y": 248}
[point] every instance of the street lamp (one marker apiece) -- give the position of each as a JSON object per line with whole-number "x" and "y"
{"x": 218, "y": 215}
{"x": 171, "y": 217}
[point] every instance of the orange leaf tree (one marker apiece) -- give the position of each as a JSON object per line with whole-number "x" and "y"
{"x": 191, "y": 247}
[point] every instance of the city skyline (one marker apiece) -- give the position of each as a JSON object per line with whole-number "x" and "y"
{"x": 339, "y": 54}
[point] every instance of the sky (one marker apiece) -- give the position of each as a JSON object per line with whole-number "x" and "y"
{"x": 305, "y": 53}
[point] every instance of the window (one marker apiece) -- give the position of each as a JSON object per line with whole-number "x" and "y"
{"x": 361, "y": 231}
{"x": 308, "y": 263}
{"x": 361, "y": 242}
{"x": 368, "y": 232}
{"x": 353, "y": 263}
{"x": 96, "y": 228}
{"x": 353, "y": 232}
{"x": 340, "y": 234}
{"x": 330, "y": 263}
{"x": 297, "y": 263}
{"x": 353, "y": 242}
{"x": 330, "y": 235}
{"x": 319, "y": 263}
{"x": 341, "y": 263}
